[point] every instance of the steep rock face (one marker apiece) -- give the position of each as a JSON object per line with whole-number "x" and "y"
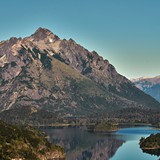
{"x": 89, "y": 64}
{"x": 150, "y": 86}
{"x": 59, "y": 76}
{"x": 76, "y": 56}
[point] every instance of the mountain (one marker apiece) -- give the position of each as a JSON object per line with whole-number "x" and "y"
{"x": 150, "y": 85}
{"x": 43, "y": 76}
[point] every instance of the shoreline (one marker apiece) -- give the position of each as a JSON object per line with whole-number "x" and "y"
{"x": 153, "y": 148}
{"x": 107, "y": 131}
{"x": 92, "y": 124}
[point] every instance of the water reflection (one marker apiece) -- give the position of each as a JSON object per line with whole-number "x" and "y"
{"x": 131, "y": 148}
{"x": 83, "y": 145}
{"x": 136, "y": 133}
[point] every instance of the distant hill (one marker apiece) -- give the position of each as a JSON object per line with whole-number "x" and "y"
{"x": 150, "y": 86}
{"x": 43, "y": 76}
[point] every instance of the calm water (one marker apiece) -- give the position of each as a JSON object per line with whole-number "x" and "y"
{"x": 121, "y": 145}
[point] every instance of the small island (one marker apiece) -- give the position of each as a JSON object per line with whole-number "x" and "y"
{"x": 26, "y": 143}
{"x": 151, "y": 144}
{"x": 105, "y": 127}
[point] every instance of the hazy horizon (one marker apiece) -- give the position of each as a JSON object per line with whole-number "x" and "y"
{"x": 124, "y": 32}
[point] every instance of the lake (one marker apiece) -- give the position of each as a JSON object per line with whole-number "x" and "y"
{"x": 80, "y": 144}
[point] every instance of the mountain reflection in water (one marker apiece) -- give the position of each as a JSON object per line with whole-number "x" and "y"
{"x": 82, "y": 145}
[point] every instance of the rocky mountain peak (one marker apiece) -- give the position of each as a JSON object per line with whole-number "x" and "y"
{"x": 41, "y": 30}
{"x": 42, "y": 34}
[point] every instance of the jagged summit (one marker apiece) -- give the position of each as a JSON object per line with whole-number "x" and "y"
{"x": 45, "y": 30}
{"x": 43, "y": 33}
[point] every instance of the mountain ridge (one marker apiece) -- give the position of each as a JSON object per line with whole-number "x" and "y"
{"x": 150, "y": 85}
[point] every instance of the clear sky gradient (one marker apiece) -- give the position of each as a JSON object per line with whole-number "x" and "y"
{"x": 126, "y": 32}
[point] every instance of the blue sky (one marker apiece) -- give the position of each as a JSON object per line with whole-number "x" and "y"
{"x": 126, "y": 32}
